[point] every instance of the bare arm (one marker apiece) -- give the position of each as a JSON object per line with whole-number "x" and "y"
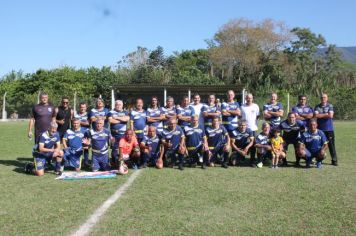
{"x": 30, "y": 125}
{"x": 41, "y": 148}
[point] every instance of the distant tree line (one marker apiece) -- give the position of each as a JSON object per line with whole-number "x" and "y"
{"x": 261, "y": 56}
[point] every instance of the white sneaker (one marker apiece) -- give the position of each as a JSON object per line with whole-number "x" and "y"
{"x": 259, "y": 165}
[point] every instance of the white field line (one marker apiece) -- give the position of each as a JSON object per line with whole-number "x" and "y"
{"x": 86, "y": 228}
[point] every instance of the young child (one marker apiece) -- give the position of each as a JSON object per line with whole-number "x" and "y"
{"x": 277, "y": 148}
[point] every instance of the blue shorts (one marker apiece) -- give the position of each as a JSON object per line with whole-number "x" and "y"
{"x": 72, "y": 158}
{"x": 194, "y": 152}
{"x": 309, "y": 155}
{"x": 100, "y": 161}
{"x": 40, "y": 159}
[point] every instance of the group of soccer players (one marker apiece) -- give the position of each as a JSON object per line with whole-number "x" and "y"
{"x": 188, "y": 134}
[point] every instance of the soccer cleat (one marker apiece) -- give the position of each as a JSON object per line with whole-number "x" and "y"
{"x": 134, "y": 166}
{"x": 260, "y": 165}
{"x": 276, "y": 167}
{"x": 224, "y": 165}
{"x": 144, "y": 165}
{"x": 180, "y": 166}
{"x": 28, "y": 168}
{"x": 334, "y": 163}
{"x": 58, "y": 172}
{"x": 318, "y": 165}
{"x": 203, "y": 166}
{"x": 253, "y": 165}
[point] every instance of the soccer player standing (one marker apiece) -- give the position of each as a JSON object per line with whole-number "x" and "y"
{"x": 84, "y": 123}
{"x": 99, "y": 112}
{"x": 138, "y": 120}
{"x": 155, "y": 115}
{"x": 230, "y": 111}
{"x": 324, "y": 112}
{"x": 169, "y": 111}
{"x": 42, "y": 114}
{"x": 211, "y": 110}
{"x": 273, "y": 111}
{"x": 118, "y": 119}
{"x": 303, "y": 111}
{"x": 185, "y": 113}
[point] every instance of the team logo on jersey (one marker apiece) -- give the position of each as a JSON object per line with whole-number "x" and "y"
{"x": 49, "y": 109}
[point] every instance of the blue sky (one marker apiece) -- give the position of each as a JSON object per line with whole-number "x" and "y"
{"x": 48, "y": 34}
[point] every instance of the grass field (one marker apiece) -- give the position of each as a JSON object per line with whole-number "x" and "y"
{"x": 239, "y": 200}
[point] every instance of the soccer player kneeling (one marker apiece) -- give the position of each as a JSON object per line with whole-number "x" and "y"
{"x": 312, "y": 144}
{"x": 218, "y": 143}
{"x": 48, "y": 148}
{"x": 73, "y": 141}
{"x": 196, "y": 143}
{"x": 173, "y": 142}
{"x": 152, "y": 150}
{"x": 129, "y": 150}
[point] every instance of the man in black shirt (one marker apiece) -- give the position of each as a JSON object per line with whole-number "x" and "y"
{"x": 64, "y": 115}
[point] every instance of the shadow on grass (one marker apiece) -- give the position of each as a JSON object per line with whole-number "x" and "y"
{"x": 19, "y": 163}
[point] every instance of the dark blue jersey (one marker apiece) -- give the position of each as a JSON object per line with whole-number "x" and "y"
{"x": 230, "y": 122}
{"x": 313, "y": 141}
{"x": 49, "y": 141}
{"x": 263, "y": 139}
{"x": 100, "y": 140}
{"x": 155, "y": 113}
{"x": 83, "y": 118}
{"x": 99, "y": 114}
{"x": 210, "y": 109}
{"x": 185, "y": 111}
{"x": 291, "y": 132}
{"x": 274, "y": 120}
{"x": 168, "y": 111}
{"x": 216, "y": 137}
{"x": 242, "y": 139}
{"x": 118, "y": 130}
{"x": 74, "y": 138}
{"x": 153, "y": 143}
{"x": 194, "y": 136}
{"x": 303, "y": 110}
{"x": 139, "y": 122}
{"x": 325, "y": 124}
{"x": 173, "y": 136}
